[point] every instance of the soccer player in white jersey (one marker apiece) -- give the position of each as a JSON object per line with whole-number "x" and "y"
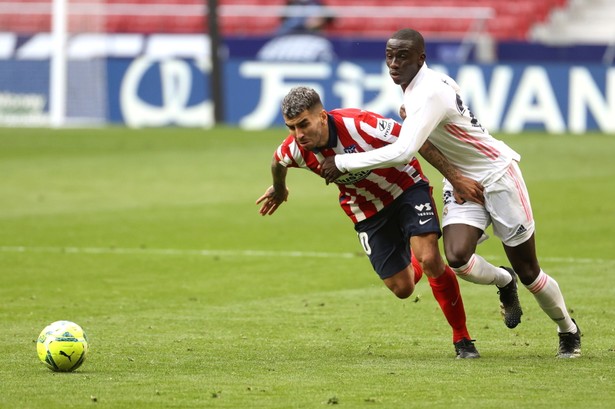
{"x": 392, "y": 209}
{"x": 435, "y": 112}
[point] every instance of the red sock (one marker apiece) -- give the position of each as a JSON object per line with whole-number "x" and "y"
{"x": 446, "y": 291}
{"x": 418, "y": 270}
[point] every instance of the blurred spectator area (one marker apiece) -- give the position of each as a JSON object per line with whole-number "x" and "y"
{"x": 581, "y": 22}
{"x": 503, "y": 20}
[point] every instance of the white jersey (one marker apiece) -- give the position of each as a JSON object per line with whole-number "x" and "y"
{"x": 435, "y": 110}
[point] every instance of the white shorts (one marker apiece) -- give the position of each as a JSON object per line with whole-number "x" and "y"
{"x": 507, "y": 207}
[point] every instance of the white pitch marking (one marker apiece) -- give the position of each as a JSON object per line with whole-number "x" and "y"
{"x": 175, "y": 252}
{"x": 240, "y": 253}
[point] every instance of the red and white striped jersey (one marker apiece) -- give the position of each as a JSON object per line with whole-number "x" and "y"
{"x": 363, "y": 193}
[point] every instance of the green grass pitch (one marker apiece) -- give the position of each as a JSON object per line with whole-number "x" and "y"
{"x": 151, "y": 241}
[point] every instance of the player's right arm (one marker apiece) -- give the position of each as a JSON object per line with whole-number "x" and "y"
{"x": 277, "y": 193}
{"x": 426, "y": 111}
{"x": 465, "y": 189}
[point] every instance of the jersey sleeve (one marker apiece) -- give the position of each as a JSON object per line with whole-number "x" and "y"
{"x": 378, "y": 128}
{"x": 289, "y": 154}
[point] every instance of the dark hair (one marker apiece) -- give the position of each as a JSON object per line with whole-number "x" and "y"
{"x": 408, "y": 34}
{"x": 298, "y": 100}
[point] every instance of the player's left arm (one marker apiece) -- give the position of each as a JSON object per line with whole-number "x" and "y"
{"x": 464, "y": 188}
{"x": 277, "y": 193}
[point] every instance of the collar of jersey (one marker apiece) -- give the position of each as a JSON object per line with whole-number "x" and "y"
{"x": 420, "y": 74}
{"x": 332, "y": 135}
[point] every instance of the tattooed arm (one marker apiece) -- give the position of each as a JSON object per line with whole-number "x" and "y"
{"x": 465, "y": 189}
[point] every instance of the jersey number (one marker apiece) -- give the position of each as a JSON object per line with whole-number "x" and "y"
{"x": 365, "y": 243}
{"x": 462, "y": 110}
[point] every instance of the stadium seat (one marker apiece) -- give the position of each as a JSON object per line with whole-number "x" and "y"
{"x": 513, "y": 20}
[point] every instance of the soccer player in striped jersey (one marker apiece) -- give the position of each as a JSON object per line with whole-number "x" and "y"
{"x": 392, "y": 209}
{"x": 435, "y": 112}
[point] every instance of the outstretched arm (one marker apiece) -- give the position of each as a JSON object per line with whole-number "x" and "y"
{"x": 465, "y": 189}
{"x": 275, "y": 194}
{"x": 425, "y": 115}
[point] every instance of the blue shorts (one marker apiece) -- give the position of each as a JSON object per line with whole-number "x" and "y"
{"x": 385, "y": 237}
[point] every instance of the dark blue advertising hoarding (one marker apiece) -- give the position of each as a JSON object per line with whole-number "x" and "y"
{"x": 509, "y": 98}
{"x": 150, "y": 91}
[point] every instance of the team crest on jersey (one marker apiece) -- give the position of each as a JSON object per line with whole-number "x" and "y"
{"x": 353, "y": 177}
{"x": 447, "y": 197}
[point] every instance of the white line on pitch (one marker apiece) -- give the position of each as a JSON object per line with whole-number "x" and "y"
{"x": 240, "y": 253}
{"x": 174, "y": 252}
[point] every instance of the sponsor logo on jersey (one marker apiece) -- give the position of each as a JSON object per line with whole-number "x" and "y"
{"x": 520, "y": 230}
{"x": 424, "y": 209}
{"x": 354, "y": 177}
{"x": 385, "y": 127}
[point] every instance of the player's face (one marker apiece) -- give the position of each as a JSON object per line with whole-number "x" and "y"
{"x": 309, "y": 129}
{"x": 403, "y": 60}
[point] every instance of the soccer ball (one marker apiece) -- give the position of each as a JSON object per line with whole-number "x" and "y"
{"x": 62, "y": 346}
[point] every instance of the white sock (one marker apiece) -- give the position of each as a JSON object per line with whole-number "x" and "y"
{"x": 550, "y": 298}
{"x": 477, "y": 270}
